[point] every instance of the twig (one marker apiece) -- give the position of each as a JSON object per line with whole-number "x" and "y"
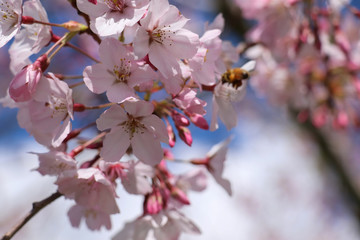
{"x": 36, "y": 207}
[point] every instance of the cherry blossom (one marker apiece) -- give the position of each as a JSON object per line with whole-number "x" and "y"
{"x": 162, "y": 36}
{"x": 55, "y": 163}
{"x": 110, "y": 17}
{"x": 203, "y": 65}
{"x": 31, "y": 38}
{"x": 10, "y": 20}
{"x": 94, "y": 195}
{"x": 137, "y": 178}
{"x": 94, "y": 218}
{"x": 134, "y": 126}
{"x": 214, "y": 162}
{"x": 118, "y": 73}
{"x": 47, "y": 116}
{"x": 163, "y": 226}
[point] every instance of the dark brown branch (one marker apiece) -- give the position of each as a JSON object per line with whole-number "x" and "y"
{"x": 331, "y": 160}
{"x": 36, "y": 207}
{"x": 87, "y": 20}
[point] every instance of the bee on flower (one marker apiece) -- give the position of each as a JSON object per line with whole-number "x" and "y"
{"x": 231, "y": 88}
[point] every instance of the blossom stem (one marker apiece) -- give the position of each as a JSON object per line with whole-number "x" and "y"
{"x": 55, "y": 45}
{"x": 179, "y": 161}
{"x": 49, "y": 24}
{"x": 67, "y": 37}
{"x": 100, "y": 106}
{"x": 80, "y": 148}
{"x": 82, "y": 52}
{"x": 63, "y": 77}
{"x": 36, "y": 207}
{"x": 76, "y": 84}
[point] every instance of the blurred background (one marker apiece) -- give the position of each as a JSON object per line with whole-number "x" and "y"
{"x": 283, "y": 186}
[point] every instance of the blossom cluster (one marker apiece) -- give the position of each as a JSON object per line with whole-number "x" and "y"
{"x": 145, "y": 47}
{"x": 307, "y": 56}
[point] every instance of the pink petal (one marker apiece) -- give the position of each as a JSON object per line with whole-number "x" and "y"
{"x": 163, "y": 60}
{"x": 119, "y": 92}
{"x": 155, "y": 125}
{"x": 146, "y": 148}
{"x": 97, "y": 78}
{"x": 139, "y": 108}
{"x": 111, "y": 118}
{"x": 141, "y": 43}
{"x": 115, "y": 144}
{"x": 227, "y": 113}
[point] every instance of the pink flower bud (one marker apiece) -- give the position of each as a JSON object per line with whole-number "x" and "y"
{"x": 199, "y": 121}
{"x": 73, "y": 26}
{"x": 153, "y": 203}
{"x": 170, "y": 131}
{"x": 179, "y": 119}
{"x": 180, "y": 195}
{"x": 185, "y": 135}
{"x": 23, "y": 85}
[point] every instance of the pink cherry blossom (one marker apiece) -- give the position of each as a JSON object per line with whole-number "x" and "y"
{"x": 118, "y": 73}
{"x": 55, "y": 163}
{"x": 166, "y": 225}
{"x": 137, "y": 178}
{"x": 47, "y": 116}
{"x": 203, "y": 63}
{"x": 90, "y": 189}
{"x": 162, "y": 36}
{"x": 110, "y": 17}
{"x": 31, "y": 38}
{"x": 94, "y": 218}
{"x": 10, "y": 19}
{"x": 94, "y": 195}
{"x": 134, "y": 126}
{"x": 187, "y": 101}
{"x": 194, "y": 180}
{"x": 214, "y": 162}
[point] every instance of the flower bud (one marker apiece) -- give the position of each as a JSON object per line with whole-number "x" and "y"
{"x": 179, "y": 119}
{"x": 185, "y": 135}
{"x": 23, "y": 85}
{"x": 73, "y": 26}
{"x": 180, "y": 195}
{"x": 199, "y": 121}
{"x": 153, "y": 202}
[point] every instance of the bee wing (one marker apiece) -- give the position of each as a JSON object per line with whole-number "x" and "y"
{"x": 249, "y": 66}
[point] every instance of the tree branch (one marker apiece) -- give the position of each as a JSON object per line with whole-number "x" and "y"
{"x": 330, "y": 159}
{"x": 36, "y": 207}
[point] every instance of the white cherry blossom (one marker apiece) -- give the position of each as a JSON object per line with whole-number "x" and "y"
{"x": 110, "y": 17}
{"x": 10, "y": 19}
{"x": 134, "y": 126}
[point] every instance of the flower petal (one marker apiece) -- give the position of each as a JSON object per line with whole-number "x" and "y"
{"x": 115, "y": 145}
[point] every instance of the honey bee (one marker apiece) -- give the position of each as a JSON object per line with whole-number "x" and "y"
{"x": 235, "y": 76}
